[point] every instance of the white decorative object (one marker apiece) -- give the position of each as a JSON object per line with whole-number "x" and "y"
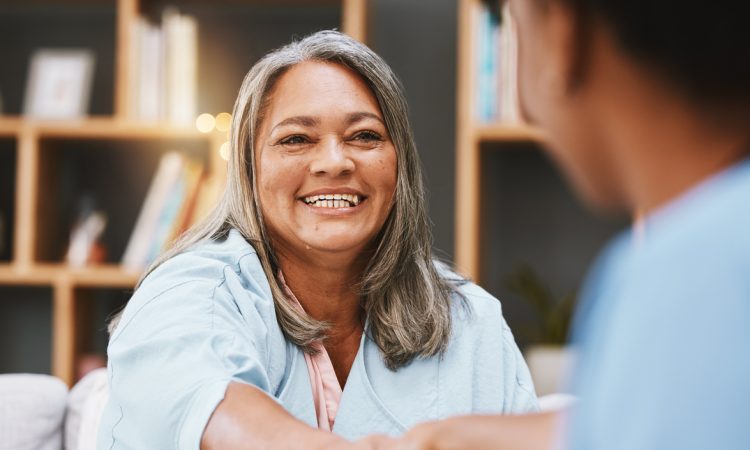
{"x": 550, "y": 366}
{"x": 84, "y": 237}
{"x": 59, "y": 84}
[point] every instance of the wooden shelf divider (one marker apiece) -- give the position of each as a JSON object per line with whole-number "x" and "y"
{"x": 470, "y": 135}
{"x": 64, "y": 331}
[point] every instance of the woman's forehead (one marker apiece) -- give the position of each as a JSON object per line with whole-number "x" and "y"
{"x": 316, "y": 89}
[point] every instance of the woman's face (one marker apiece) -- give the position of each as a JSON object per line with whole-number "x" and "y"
{"x": 558, "y": 92}
{"x": 326, "y": 166}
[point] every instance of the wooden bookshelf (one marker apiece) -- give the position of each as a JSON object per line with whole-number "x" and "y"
{"x": 471, "y": 135}
{"x": 30, "y": 137}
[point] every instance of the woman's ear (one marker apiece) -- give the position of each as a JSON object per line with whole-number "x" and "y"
{"x": 567, "y": 34}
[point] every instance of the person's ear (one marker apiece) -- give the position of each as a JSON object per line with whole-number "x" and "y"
{"x": 567, "y": 39}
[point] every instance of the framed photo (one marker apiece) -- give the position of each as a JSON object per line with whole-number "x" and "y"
{"x": 59, "y": 84}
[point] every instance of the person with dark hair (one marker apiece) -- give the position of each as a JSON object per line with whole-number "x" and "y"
{"x": 646, "y": 108}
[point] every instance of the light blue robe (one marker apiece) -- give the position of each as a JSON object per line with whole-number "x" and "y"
{"x": 206, "y": 318}
{"x": 664, "y": 328}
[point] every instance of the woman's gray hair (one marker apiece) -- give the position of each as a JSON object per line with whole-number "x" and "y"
{"x": 406, "y": 299}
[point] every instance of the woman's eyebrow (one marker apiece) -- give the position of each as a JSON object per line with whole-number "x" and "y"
{"x": 308, "y": 121}
{"x": 305, "y": 121}
{"x": 359, "y": 116}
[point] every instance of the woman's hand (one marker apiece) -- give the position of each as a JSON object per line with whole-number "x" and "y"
{"x": 372, "y": 442}
{"x": 425, "y": 436}
{"x": 527, "y": 432}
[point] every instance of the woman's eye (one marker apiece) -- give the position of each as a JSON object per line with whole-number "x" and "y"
{"x": 367, "y": 136}
{"x": 294, "y": 140}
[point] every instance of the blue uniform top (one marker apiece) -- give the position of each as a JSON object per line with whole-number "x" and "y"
{"x": 664, "y": 329}
{"x": 206, "y": 317}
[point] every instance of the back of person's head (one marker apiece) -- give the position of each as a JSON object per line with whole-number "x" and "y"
{"x": 703, "y": 47}
{"x": 609, "y": 79}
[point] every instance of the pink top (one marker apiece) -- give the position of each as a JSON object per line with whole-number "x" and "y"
{"x": 326, "y": 390}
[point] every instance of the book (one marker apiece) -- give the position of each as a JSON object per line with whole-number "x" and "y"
{"x": 496, "y": 65}
{"x": 194, "y": 176}
{"x": 509, "y": 110}
{"x": 149, "y": 82}
{"x": 181, "y": 67}
{"x": 488, "y": 64}
{"x": 164, "y": 182}
{"x": 164, "y": 67}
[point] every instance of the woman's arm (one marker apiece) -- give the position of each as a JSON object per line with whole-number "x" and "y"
{"x": 523, "y": 432}
{"x": 248, "y": 419}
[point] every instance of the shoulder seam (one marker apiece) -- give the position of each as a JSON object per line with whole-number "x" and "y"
{"x": 121, "y": 330}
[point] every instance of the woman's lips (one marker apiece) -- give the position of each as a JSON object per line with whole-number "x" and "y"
{"x": 333, "y": 200}
{"x": 333, "y": 206}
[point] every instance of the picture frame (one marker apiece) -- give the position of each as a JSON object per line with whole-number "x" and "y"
{"x": 59, "y": 84}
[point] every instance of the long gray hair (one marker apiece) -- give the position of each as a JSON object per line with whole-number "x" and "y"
{"x": 407, "y": 302}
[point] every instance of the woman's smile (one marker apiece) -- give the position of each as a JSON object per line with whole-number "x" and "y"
{"x": 334, "y": 198}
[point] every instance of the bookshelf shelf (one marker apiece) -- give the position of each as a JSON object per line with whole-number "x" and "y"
{"x": 12, "y": 274}
{"x": 488, "y": 133}
{"x": 9, "y": 126}
{"x": 47, "y": 166}
{"x": 102, "y": 127}
{"x": 115, "y": 130}
{"x": 110, "y": 276}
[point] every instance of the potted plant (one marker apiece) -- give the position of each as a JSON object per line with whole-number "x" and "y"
{"x": 548, "y": 357}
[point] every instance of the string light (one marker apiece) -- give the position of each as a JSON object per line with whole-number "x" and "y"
{"x": 223, "y": 121}
{"x": 224, "y": 151}
{"x": 205, "y": 123}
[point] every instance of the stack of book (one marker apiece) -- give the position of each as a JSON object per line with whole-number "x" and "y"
{"x": 497, "y": 65}
{"x": 164, "y": 65}
{"x": 167, "y": 211}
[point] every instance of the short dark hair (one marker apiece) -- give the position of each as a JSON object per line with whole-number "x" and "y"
{"x": 704, "y": 47}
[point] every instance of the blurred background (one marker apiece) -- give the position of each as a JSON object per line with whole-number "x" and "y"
{"x": 113, "y": 119}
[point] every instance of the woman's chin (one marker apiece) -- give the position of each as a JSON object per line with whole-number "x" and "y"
{"x": 335, "y": 244}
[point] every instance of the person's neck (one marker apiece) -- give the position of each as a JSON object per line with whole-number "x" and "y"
{"x": 325, "y": 284}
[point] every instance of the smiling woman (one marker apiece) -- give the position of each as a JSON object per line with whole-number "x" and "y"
{"x": 309, "y": 301}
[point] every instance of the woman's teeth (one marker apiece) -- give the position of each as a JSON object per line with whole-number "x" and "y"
{"x": 333, "y": 200}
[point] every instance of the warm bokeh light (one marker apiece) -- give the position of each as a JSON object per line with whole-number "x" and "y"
{"x": 224, "y": 151}
{"x": 223, "y": 121}
{"x": 205, "y": 123}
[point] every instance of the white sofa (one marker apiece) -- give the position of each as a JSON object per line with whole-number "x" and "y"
{"x": 37, "y": 412}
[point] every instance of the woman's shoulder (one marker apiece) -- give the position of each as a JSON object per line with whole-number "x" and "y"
{"x": 211, "y": 279}
{"x": 207, "y": 264}
{"x": 468, "y": 295}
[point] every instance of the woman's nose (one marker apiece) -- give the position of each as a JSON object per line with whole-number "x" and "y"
{"x": 332, "y": 158}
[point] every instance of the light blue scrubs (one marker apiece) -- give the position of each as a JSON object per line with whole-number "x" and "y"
{"x": 206, "y": 317}
{"x": 664, "y": 331}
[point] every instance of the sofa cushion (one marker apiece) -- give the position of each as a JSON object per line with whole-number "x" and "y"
{"x": 85, "y": 405}
{"x": 32, "y": 410}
